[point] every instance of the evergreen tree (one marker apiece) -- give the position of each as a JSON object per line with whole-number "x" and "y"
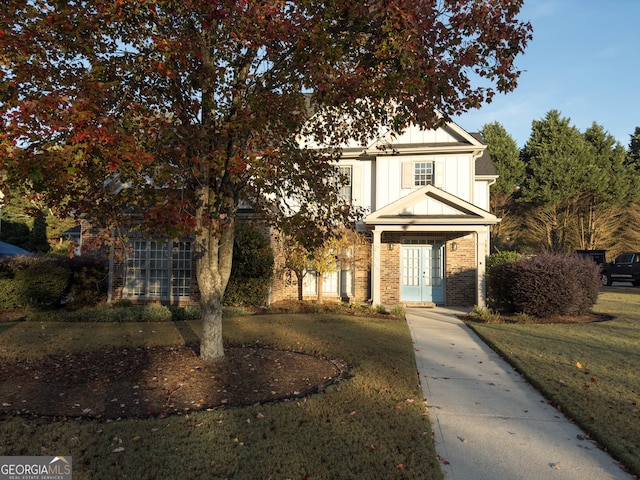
{"x": 38, "y": 236}
{"x": 555, "y": 156}
{"x": 609, "y": 183}
{"x": 633, "y": 155}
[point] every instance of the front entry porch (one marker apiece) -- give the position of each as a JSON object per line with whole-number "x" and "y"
{"x": 420, "y": 257}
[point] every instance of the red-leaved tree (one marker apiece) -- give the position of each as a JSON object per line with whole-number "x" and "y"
{"x": 182, "y": 109}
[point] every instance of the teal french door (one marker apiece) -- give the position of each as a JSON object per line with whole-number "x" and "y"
{"x": 421, "y": 273}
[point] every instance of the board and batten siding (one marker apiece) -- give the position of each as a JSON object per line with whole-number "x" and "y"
{"x": 453, "y": 173}
{"x": 414, "y": 135}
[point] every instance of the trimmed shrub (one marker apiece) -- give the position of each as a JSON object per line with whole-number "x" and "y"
{"x": 250, "y": 292}
{"x": 118, "y": 314}
{"x": 50, "y": 282}
{"x": 40, "y": 282}
{"x": 88, "y": 283}
{"x": 551, "y": 284}
{"x": 10, "y": 298}
{"x": 497, "y": 292}
{"x": 252, "y": 271}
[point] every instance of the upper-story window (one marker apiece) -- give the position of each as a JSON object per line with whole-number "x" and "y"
{"x": 422, "y": 173}
{"x": 417, "y": 174}
{"x": 346, "y": 189}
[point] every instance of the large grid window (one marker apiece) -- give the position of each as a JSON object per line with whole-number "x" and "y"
{"x": 158, "y": 270}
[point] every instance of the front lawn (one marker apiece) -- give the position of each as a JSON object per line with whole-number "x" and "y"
{"x": 371, "y": 426}
{"x": 590, "y": 371}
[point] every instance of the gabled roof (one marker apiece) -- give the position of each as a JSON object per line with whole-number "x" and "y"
{"x": 447, "y": 138}
{"x": 458, "y": 211}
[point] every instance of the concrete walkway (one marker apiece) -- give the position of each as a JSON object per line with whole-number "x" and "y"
{"x": 488, "y": 422}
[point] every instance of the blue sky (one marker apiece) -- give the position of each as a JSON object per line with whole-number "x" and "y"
{"x": 583, "y": 61}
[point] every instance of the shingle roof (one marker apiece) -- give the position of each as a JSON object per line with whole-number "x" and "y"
{"x": 484, "y": 165}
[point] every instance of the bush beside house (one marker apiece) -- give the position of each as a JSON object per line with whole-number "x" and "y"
{"x": 497, "y": 288}
{"x": 51, "y": 282}
{"x": 252, "y": 271}
{"x": 544, "y": 285}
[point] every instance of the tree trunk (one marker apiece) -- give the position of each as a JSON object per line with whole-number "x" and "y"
{"x": 319, "y": 285}
{"x": 214, "y": 252}
{"x": 300, "y": 277}
{"x": 211, "y": 345}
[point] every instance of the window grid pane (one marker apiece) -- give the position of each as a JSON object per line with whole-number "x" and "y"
{"x": 436, "y": 266}
{"x": 345, "y": 191}
{"x": 411, "y": 268}
{"x": 136, "y": 270}
{"x": 330, "y": 282}
{"x": 423, "y": 174}
{"x": 311, "y": 282}
{"x": 158, "y": 270}
{"x": 181, "y": 269}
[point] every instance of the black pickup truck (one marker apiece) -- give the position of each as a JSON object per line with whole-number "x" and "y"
{"x": 624, "y": 268}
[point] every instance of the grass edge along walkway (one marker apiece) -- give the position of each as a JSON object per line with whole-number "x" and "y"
{"x": 372, "y": 426}
{"x": 588, "y": 371}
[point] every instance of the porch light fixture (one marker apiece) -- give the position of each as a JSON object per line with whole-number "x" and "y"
{"x": 390, "y": 246}
{"x": 454, "y": 246}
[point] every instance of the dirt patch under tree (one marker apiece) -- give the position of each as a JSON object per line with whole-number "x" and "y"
{"x": 157, "y": 382}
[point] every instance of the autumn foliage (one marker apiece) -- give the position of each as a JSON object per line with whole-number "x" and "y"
{"x": 183, "y": 109}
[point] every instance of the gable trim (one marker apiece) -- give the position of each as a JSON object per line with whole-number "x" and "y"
{"x": 469, "y": 213}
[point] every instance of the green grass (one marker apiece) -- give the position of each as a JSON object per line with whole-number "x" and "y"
{"x": 372, "y": 426}
{"x": 590, "y": 371}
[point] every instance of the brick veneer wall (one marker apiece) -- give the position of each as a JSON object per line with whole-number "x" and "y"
{"x": 460, "y": 268}
{"x": 390, "y": 272}
{"x": 460, "y": 271}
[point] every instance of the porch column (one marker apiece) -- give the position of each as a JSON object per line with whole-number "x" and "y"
{"x": 482, "y": 253}
{"x": 375, "y": 267}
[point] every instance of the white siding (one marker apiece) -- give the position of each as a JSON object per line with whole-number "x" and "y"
{"x": 413, "y": 135}
{"x": 457, "y": 176}
{"x": 452, "y": 173}
{"x": 361, "y": 182}
{"x": 481, "y": 197}
{"x": 430, "y": 207}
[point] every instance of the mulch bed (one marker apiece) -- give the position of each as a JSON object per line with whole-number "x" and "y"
{"x": 157, "y": 382}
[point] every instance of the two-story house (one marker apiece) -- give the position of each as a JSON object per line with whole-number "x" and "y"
{"x": 426, "y": 232}
{"x": 427, "y": 194}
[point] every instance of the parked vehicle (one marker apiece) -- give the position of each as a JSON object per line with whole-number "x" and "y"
{"x": 624, "y": 268}
{"x": 598, "y": 256}
{"x": 8, "y": 250}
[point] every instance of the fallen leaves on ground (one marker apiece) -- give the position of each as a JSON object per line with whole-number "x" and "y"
{"x": 158, "y": 381}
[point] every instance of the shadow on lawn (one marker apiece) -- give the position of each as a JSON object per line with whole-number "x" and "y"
{"x": 6, "y": 326}
{"x": 189, "y": 336}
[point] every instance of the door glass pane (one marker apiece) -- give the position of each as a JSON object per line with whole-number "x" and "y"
{"x": 436, "y": 266}
{"x": 411, "y": 267}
